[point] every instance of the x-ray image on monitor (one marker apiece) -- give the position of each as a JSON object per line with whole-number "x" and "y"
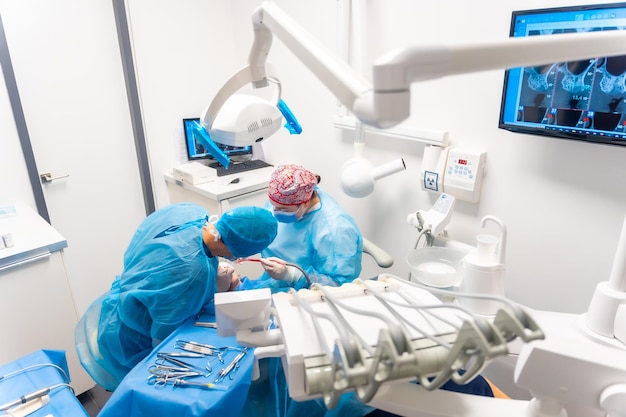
{"x": 584, "y": 100}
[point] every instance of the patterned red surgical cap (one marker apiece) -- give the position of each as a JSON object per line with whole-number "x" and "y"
{"x": 291, "y": 185}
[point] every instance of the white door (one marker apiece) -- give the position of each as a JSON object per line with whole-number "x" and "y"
{"x": 68, "y": 71}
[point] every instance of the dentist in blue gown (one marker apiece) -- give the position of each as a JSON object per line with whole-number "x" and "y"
{"x": 170, "y": 273}
{"x": 314, "y": 232}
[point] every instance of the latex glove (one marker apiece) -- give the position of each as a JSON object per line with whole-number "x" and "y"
{"x": 277, "y": 269}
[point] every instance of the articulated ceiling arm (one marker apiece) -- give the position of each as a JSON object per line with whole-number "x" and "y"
{"x": 385, "y": 101}
{"x": 337, "y": 75}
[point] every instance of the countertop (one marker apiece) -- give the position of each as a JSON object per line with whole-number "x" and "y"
{"x": 222, "y": 187}
{"x": 32, "y": 237}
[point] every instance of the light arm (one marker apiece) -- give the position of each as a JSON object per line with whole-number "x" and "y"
{"x": 385, "y": 101}
{"x": 389, "y": 102}
{"x": 337, "y": 75}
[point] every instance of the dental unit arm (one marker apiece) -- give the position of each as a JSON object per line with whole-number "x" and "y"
{"x": 369, "y": 333}
{"x": 376, "y": 337}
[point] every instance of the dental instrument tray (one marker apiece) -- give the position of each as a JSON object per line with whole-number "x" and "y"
{"x": 361, "y": 335}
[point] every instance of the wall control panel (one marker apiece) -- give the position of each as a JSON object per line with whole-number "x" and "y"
{"x": 458, "y": 172}
{"x": 463, "y": 177}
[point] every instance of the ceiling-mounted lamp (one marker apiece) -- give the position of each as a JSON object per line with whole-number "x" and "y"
{"x": 239, "y": 119}
{"x": 245, "y": 119}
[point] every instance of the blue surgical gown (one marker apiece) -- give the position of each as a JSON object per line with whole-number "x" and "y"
{"x": 326, "y": 243}
{"x": 168, "y": 276}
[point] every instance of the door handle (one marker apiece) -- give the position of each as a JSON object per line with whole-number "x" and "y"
{"x": 47, "y": 177}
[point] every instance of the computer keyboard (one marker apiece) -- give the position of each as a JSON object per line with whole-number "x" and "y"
{"x": 235, "y": 168}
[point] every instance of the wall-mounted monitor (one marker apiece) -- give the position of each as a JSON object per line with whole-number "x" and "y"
{"x": 196, "y": 151}
{"x": 581, "y": 100}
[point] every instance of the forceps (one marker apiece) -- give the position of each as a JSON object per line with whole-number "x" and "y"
{"x": 162, "y": 371}
{"x": 162, "y": 358}
{"x": 160, "y": 374}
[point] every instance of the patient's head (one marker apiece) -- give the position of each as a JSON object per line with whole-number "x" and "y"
{"x": 227, "y": 278}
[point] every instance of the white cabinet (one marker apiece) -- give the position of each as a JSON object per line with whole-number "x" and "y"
{"x": 38, "y": 308}
{"x": 222, "y": 194}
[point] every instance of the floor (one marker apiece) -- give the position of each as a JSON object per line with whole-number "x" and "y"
{"x": 94, "y": 399}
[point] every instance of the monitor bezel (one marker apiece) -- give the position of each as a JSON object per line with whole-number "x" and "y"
{"x": 557, "y": 131}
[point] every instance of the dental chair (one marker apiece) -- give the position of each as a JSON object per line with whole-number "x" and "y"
{"x": 381, "y": 257}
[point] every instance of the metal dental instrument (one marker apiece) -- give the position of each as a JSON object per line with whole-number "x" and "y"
{"x": 163, "y": 371}
{"x": 196, "y": 347}
{"x": 210, "y": 325}
{"x": 161, "y": 358}
{"x": 231, "y": 367}
{"x": 180, "y": 382}
{"x": 183, "y": 354}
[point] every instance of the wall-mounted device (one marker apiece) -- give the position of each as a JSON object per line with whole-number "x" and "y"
{"x": 437, "y": 218}
{"x": 455, "y": 171}
{"x": 580, "y": 100}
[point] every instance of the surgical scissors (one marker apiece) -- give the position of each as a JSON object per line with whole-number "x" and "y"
{"x": 161, "y": 374}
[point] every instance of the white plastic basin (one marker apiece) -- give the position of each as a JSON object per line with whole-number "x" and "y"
{"x": 436, "y": 266}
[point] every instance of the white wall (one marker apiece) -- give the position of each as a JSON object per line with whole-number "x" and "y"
{"x": 183, "y": 52}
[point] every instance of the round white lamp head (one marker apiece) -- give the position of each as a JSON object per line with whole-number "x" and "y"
{"x": 358, "y": 175}
{"x": 356, "y": 178}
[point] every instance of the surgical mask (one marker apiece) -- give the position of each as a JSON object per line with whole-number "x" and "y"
{"x": 286, "y": 216}
{"x": 291, "y": 216}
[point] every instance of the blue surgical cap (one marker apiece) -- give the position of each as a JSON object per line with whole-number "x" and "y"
{"x": 247, "y": 230}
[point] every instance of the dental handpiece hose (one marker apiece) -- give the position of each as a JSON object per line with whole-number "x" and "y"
{"x": 298, "y": 267}
{"x": 26, "y": 398}
{"x": 308, "y": 280}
